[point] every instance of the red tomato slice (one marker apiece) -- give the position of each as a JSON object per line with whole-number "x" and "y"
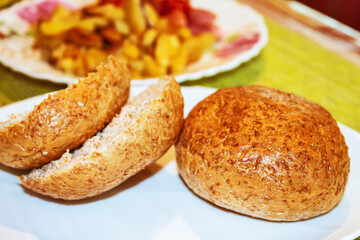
{"x": 197, "y": 29}
{"x": 164, "y": 7}
{"x": 115, "y": 2}
{"x": 177, "y": 18}
{"x": 170, "y": 5}
{"x": 200, "y": 17}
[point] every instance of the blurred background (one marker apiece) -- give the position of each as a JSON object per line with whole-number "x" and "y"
{"x": 345, "y": 11}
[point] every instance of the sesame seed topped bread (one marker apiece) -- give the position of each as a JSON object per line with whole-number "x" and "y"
{"x": 65, "y": 119}
{"x": 264, "y": 153}
{"x": 147, "y": 126}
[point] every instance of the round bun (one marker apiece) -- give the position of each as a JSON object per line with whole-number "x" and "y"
{"x": 147, "y": 126}
{"x": 65, "y": 119}
{"x": 264, "y": 153}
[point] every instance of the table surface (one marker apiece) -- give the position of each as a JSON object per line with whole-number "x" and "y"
{"x": 308, "y": 54}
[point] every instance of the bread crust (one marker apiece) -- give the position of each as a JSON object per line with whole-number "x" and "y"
{"x": 67, "y": 118}
{"x": 142, "y": 141}
{"x": 264, "y": 153}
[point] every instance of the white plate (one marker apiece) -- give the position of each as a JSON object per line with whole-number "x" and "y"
{"x": 232, "y": 18}
{"x": 155, "y": 204}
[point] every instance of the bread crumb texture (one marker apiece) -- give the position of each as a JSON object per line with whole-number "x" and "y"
{"x": 264, "y": 153}
{"x": 147, "y": 126}
{"x": 65, "y": 119}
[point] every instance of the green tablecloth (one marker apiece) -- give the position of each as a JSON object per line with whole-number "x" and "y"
{"x": 289, "y": 62}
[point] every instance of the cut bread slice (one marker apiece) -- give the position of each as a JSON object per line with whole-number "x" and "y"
{"x": 147, "y": 126}
{"x": 65, "y": 119}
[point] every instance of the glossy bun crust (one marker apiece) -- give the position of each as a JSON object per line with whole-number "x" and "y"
{"x": 264, "y": 153}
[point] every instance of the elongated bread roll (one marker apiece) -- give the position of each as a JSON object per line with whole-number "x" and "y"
{"x": 264, "y": 153}
{"x": 144, "y": 130}
{"x": 65, "y": 119}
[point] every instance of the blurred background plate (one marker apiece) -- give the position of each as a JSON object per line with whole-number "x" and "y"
{"x": 17, "y": 53}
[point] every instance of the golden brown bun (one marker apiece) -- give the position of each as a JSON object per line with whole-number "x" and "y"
{"x": 66, "y": 119}
{"x": 148, "y": 125}
{"x": 264, "y": 153}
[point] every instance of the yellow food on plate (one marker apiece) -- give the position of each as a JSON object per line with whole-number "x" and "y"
{"x": 154, "y": 37}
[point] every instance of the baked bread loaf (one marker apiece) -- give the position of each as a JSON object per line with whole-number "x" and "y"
{"x": 264, "y": 153}
{"x": 147, "y": 126}
{"x": 65, "y": 119}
